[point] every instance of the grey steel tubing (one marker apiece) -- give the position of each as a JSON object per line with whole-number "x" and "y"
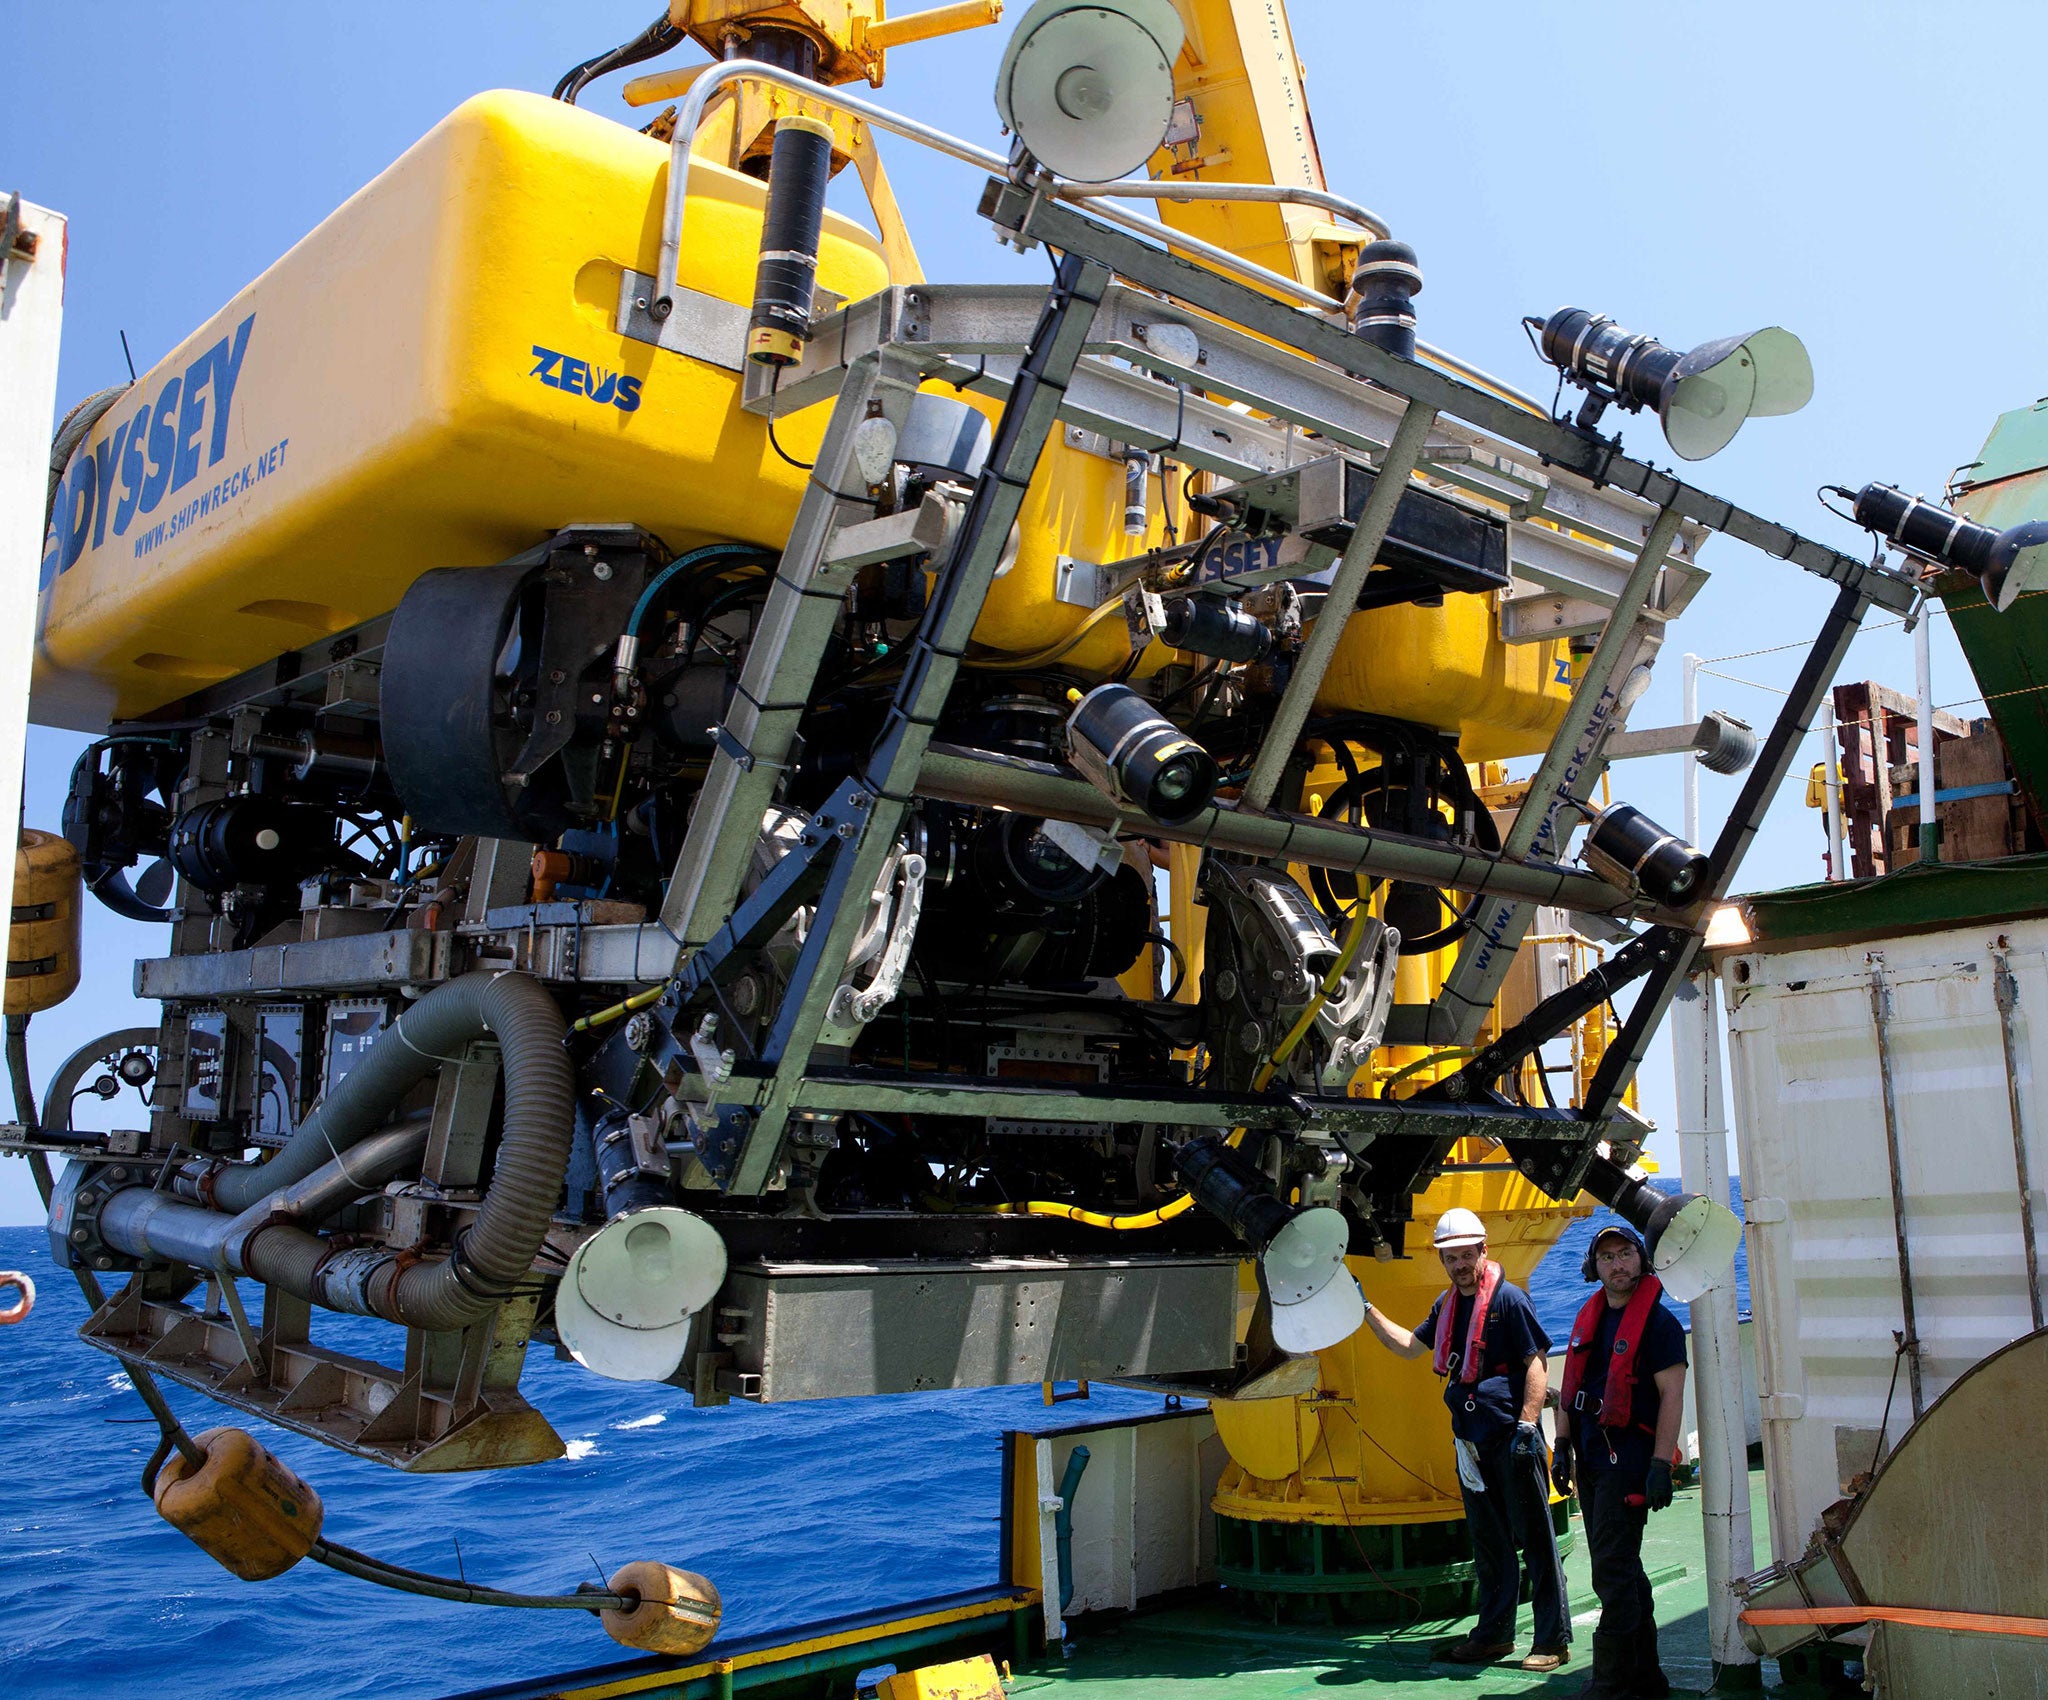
{"x": 1150, "y": 189}
{"x": 1091, "y": 195}
{"x": 511, "y": 1007}
{"x": 145, "y": 1223}
{"x": 953, "y": 774}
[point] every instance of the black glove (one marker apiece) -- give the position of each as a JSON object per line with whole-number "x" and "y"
{"x": 1657, "y": 1490}
{"x": 1561, "y": 1464}
{"x": 1522, "y": 1449}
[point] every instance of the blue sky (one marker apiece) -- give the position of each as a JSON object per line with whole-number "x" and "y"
{"x": 1852, "y": 172}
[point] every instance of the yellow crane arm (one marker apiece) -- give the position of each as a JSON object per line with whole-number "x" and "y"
{"x": 1241, "y": 116}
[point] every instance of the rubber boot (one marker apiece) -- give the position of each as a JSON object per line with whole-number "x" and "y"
{"x": 1650, "y": 1681}
{"x": 1614, "y": 1663}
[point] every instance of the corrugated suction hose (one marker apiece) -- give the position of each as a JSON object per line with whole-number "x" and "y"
{"x": 495, "y": 1255}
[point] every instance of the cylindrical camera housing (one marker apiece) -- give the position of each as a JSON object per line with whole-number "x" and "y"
{"x": 1923, "y": 528}
{"x": 799, "y": 167}
{"x": 1629, "y": 848}
{"x": 1212, "y": 626}
{"x": 1136, "y": 756}
{"x": 1595, "y": 350}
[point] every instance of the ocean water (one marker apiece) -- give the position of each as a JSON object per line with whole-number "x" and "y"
{"x": 798, "y": 1512}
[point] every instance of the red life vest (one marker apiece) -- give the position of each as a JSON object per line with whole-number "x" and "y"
{"x": 1475, "y": 1329}
{"x": 1620, "y": 1389}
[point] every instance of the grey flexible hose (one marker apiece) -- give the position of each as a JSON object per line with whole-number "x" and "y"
{"x": 495, "y": 1256}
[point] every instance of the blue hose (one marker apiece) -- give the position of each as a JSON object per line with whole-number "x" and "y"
{"x": 690, "y": 558}
{"x": 1063, "y": 1523}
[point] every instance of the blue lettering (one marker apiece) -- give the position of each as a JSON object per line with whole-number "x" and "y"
{"x": 106, "y": 457}
{"x": 575, "y": 375}
{"x": 1564, "y": 669}
{"x": 227, "y": 372}
{"x": 544, "y": 367}
{"x": 131, "y": 472}
{"x": 628, "y": 398}
{"x": 192, "y": 418}
{"x": 605, "y": 390}
{"x": 163, "y": 445}
{"x": 75, "y": 507}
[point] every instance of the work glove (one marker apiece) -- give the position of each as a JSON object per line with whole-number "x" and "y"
{"x": 1523, "y": 1448}
{"x": 1657, "y": 1490}
{"x": 1561, "y": 1472}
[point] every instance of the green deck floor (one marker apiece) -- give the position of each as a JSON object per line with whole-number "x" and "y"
{"x": 1215, "y": 1651}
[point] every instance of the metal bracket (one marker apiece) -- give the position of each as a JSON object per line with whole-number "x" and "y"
{"x": 705, "y": 327}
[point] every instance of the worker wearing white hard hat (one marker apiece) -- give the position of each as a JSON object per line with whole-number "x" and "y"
{"x": 1492, "y": 1353}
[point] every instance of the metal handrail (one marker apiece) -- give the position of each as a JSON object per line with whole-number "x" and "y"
{"x": 1150, "y": 189}
{"x": 696, "y": 102}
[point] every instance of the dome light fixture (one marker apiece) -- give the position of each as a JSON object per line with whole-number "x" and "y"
{"x": 1086, "y": 86}
{"x": 1315, "y": 1299}
{"x": 1701, "y": 398}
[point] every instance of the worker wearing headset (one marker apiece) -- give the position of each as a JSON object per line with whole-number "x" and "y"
{"x": 1620, "y": 1406}
{"x": 1490, "y": 1350}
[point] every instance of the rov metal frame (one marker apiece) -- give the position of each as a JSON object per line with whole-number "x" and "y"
{"x": 1089, "y": 360}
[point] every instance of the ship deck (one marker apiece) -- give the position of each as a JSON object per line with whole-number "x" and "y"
{"x": 1210, "y": 1649}
{"x": 1203, "y": 1647}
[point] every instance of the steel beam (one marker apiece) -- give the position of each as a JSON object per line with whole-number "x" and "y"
{"x": 932, "y": 662}
{"x": 1567, "y": 771}
{"x": 804, "y": 602}
{"x": 1759, "y": 786}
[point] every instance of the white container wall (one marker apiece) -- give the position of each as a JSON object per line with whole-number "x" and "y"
{"x": 1817, "y": 1169}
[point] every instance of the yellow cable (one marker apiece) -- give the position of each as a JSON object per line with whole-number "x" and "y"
{"x": 1455, "y": 1053}
{"x": 1045, "y": 657}
{"x": 1281, "y": 1052}
{"x": 639, "y": 1000}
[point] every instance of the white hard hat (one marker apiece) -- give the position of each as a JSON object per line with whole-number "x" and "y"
{"x": 1456, "y": 1227}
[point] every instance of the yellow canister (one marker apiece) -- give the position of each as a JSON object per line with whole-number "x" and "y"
{"x": 678, "y": 1611}
{"x": 242, "y": 1507}
{"x": 43, "y": 931}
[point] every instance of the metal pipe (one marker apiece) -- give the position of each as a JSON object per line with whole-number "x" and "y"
{"x": 952, "y": 774}
{"x": 1063, "y": 1523}
{"x": 1880, "y": 1011}
{"x": 1689, "y": 712}
{"x": 1923, "y": 682}
{"x": 1152, "y": 189}
{"x": 2006, "y": 990}
{"x": 1831, "y": 783}
{"x": 710, "y": 79}
{"x": 1716, "y": 1337}
{"x": 143, "y": 1222}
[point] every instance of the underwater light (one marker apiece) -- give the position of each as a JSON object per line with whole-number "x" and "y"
{"x": 2007, "y": 564}
{"x": 1088, "y": 87}
{"x": 1691, "y": 1238}
{"x": 1701, "y": 398}
{"x": 627, "y": 1296}
{"x": 1315, "y": 1300}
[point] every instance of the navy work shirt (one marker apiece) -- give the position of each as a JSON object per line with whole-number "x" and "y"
{"x": 1618, "y": 1440}
{"x": 1484, "y": 1410}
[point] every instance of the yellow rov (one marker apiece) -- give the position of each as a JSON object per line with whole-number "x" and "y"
{"x": 800, "y": 830}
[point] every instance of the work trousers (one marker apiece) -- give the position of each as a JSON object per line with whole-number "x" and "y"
{"x": 1614, "y": 1542}
{"x": 1511, "y": 1516}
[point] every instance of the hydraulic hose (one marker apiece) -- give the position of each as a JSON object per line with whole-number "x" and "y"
{"x": 539, "y": 1089}
{"x": 493, "y": 1258}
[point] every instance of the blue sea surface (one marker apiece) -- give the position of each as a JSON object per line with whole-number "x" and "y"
{"x": 798, "y": 1512}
